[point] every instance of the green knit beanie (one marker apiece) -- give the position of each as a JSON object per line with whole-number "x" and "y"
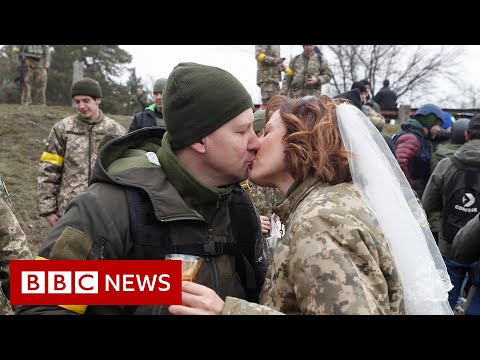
{"x": 258, "y": 120}
{"x": 86, "y": 87}
{"x": 198, "y": 99}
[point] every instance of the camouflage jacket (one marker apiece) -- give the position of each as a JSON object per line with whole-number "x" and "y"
{"x": 300, "y": 69}
{"x": 263, "y": 199}
{"x": 66, "y": 163}
{"x": 333, "y": 259}
{"x": 267, "y": 67}
{"x": 39, "y": 53}
{"x": 13, "y": 246}
{"x": 139, "y": 102}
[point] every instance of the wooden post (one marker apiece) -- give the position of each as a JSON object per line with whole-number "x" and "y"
{"x": 77, "y": 73}
{"x": 404, "y": 113}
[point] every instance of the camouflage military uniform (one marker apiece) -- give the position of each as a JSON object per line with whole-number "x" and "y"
{"x": 69, "y": 156}
{"x": 333, "y": 259}
{"x": 268, "y": 71}
{"x": 13, "y": 246}
{"x": 139, "y": 102}
{"x": 301, "y": 67}
{"x": 37, "y": 62}
{"x": 263, "y": 199}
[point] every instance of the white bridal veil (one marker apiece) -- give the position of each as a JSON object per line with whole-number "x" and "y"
{"x": 379, "y": 179}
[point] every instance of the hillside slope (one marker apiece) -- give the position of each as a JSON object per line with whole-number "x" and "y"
{"x": 23, "y": 131}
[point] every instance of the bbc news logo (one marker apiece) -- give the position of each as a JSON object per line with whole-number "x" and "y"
{"x": 95, "y": 282}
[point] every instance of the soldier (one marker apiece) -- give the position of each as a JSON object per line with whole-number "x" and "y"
{"x": 154, "y": 194}
{"x": 152, "y": 115}
{"x": 36, "y": 62}
{"x": 70, "y": 152}
{"x": 139, "y": 100}
{"x": 13, "y": 246}
{"x": 306, "y": 74}
{"x": 269, "y": 70}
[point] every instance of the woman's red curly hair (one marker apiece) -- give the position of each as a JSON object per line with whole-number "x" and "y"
{"x": 313, "y": 143}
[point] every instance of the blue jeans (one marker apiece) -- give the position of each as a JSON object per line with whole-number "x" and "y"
{"x": 457, "y": 273}
{"x": 474, "y": 305}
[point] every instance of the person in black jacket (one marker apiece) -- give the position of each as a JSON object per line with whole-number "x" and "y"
{"x": 386, "y": 98}
{"x": 152, "y": 115}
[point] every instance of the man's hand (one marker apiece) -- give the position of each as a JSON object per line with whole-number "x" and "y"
{"x": 265, "y": 222}
{"x": 52, "y": 219}
{"x": 312, "y": 80}
{"x": 197, "y": 300}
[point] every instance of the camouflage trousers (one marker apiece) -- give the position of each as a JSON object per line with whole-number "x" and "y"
{"x": 304, "y": 92}
{"x": 268, "y": 90}
{"x": 34, "y": 77}
{"x": 5, "y": 308}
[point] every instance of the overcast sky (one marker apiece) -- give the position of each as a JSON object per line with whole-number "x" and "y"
{"x": 154, "y": 61}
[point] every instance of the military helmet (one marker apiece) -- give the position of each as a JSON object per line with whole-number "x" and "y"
{"x": 159, "y": 85}
{"x": 458, "y": 131}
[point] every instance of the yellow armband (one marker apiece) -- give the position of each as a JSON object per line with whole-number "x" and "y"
{"x": 260, "y": 57}
{"x": 289, "y": 71}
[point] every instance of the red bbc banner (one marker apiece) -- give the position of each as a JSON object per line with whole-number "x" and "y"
{"x": 96, "y": 282}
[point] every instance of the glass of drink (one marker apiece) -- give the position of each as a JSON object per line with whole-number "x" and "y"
{"x": 191, "y": 264}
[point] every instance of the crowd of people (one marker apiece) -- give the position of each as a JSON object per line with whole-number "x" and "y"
{"x": 316, "y": 211}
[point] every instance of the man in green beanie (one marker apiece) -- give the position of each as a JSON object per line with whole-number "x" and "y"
{"x": 151, "y": 195}
{"x": 71, "y": 149}
{"x": 152, "y": 115}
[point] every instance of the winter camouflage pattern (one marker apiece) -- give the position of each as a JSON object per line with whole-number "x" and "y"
{"x": 301, "y": 67}
{"x": 333, "y": 259}
{"x": 66, "y": 163}
{"x": 268, "y": 72}
{"x": 13, "y": 246}
{"x": 37, "y": 62}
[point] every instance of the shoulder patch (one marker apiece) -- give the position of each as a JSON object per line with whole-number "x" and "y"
{"x": 71, "y": 245}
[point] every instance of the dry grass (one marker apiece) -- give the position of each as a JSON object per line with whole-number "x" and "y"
{"x": 23, "y": 131}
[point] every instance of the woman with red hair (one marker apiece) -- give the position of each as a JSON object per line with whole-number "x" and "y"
{"x": 345, "y": 249}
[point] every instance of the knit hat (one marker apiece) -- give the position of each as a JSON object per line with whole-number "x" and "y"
{"x": 86, "y": 87}
{"x": 198, "y": 100}
{"x": 159, "y": 85}
{"x": 258, "y": 120}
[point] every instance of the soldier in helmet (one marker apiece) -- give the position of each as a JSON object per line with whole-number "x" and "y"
{"x": 36, "y": 61}
{"x": 67, "y": 161}
{"x": 152, "y": 115}
{"x": 13, "y": 246}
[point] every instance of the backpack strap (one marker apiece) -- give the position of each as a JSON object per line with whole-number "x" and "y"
{"x": 146, "y": 230}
